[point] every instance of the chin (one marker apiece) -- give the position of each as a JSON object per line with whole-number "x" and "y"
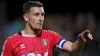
{"x": 39, "y": 28}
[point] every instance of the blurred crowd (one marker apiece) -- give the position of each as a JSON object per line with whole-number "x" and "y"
{"x": 68, "y": 25}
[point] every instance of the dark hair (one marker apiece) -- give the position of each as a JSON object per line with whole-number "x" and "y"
{"x": 30, "y": 4}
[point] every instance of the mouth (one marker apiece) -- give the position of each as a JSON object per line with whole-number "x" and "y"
{"x": 40, "y": 24}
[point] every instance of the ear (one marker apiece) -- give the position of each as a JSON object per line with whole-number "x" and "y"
{"x": 25, "y": 16}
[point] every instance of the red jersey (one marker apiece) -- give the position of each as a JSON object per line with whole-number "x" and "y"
{"x": 18, "y": 45}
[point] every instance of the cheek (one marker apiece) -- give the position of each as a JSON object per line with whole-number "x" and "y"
{"x": 31, "y": 19}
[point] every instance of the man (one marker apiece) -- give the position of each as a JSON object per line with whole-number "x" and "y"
{"x": 34, "y": 41}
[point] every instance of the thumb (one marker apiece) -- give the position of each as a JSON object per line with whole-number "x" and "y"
{"x": 85, "y": 35}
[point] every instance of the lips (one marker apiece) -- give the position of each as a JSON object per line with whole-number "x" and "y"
{"x": 40, "y": 23}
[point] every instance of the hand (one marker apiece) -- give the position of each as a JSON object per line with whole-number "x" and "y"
{"x": 85, "y": 36}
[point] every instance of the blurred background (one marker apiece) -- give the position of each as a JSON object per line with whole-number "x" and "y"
{"x": 68, "y": 18}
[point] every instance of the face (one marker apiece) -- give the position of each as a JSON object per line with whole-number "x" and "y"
{"x": 35, "y": 17}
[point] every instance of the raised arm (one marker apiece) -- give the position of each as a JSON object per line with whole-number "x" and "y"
{"x": 75, "y": 47}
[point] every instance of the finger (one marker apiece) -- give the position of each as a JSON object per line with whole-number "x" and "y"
{"x": 86, "y": 32}
{"x": 82, "y": 37}
{"x": 87, "y": 35}
{"x": 90, "y": 36}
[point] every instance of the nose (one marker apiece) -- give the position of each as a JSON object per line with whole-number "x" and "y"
{"x": 41, "y": 18}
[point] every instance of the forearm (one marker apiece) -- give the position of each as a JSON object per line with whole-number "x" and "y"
{"x": 77, "y": 46}
{"x": 74, "y": 47}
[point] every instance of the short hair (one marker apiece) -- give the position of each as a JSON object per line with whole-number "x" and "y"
{"x": 31, "y": 4}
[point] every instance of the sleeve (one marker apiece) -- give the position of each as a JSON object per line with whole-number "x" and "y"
{"x": 6, "y": 49}
{"x": 57, "y": 40}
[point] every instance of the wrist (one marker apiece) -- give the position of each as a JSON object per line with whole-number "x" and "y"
{"x": 82, "y": 39}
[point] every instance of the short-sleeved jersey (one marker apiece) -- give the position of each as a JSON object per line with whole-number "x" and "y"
{"x": 18, "y": 45}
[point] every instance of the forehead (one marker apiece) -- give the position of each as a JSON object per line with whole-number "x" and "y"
{"x": 37, "y": 10}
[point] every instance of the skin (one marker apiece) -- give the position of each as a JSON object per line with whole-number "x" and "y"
{"x": 34, "y": 22}
{"x": 76, "y": 47}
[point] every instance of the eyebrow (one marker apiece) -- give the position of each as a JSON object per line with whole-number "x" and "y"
{"x": 43, "y": 12}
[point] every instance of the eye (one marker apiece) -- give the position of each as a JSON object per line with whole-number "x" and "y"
{"x": 43, "y": 14}
{"x": 36, "y": 14}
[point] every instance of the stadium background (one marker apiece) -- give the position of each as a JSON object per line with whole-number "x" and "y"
{"x": 68, "y": 18}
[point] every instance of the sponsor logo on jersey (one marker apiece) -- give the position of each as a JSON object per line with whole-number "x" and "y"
{"x": 44, "y": 42}
{"x": 38, "y": 54}
{"x": 31, "y": 54}
{"x": 23, "y": 55}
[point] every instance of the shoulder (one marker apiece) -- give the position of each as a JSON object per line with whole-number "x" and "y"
{"x": 12, "y": 37}
{"x": 50, "y": 32}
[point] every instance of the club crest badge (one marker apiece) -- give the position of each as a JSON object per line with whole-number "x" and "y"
{"x": 44, "y": 42}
